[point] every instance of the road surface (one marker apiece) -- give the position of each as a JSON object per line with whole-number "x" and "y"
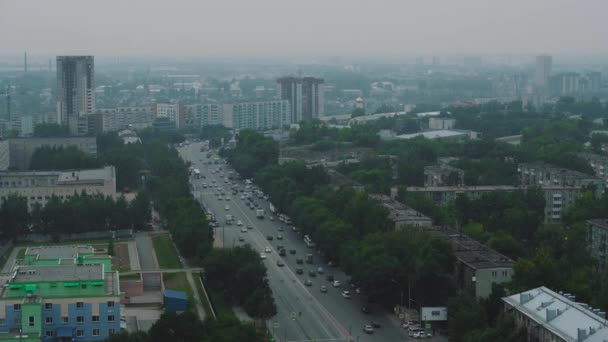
{"x": 304, "y": 313}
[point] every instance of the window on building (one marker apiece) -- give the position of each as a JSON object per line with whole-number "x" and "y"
{"x": 111, "y": 318}
{"x": 31, "y": 321}
{"x": 48, "y": 320}
{"x": 79, "y": 332}
{"x": 49, "y": 333}
{"x": 110, "y": 304}
{"x": 79, "y": 319}
{"x": 96, "y": 332}
{"x": 95, "y": 318}
{"x": 494, "y": 274}
{"x": 111, "y": 331}
{"x": 65, "y": 319}
{"x": 48, "y": 306}
{"x": 79, "y": 305}
{"x": 17, "y": 307}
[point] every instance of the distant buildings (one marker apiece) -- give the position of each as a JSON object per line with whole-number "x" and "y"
{"x": 541, "y": 174}
{"x": 598, "y": 163}
{"x": 543, "y": 73}
{"x": 116, "y": 119}
{"x": 443, "y": 175}
{"x": 39, "y": 186}
{"x": 441, "y": 123}
{"x": 16, "y": 154}
{"x": 550, "y": 316}
{"x": 304, "y": 95}
{"x": 441, "y": 134}
{"x": 402, "y": 215}
{"x": 597, "y": 241}
{"x": 75, "y": 92}
{"x": 173, "y": 112}
{"x": 257, "y": 115}
{"x": 557, "y": 197}
{"x": 60, "y": 293}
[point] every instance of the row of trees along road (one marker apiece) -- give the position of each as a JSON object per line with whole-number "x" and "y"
{"x": 352, "y": 229}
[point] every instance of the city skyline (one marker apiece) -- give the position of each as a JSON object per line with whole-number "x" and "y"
{"x": 270, "y": 28}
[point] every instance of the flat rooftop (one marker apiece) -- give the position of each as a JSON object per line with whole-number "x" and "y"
{"x": 58, "y": 273}
{"x": 399, "y": 212}
{"x": 486, "y": 188}
{"x": 103, "y": 174}
{"x": 599, "y": 222}
{"x": 561, "y": 315}
{"x": 471, "y": 252}
{"x": 556, "y": 169}
{"x": 58, "y": 252}
{"x": 443, "y": 133}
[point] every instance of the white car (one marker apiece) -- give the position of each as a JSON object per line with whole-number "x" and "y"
{"x": 239, "y": 223}
{"x": 267, "y": 250}
{"x": 227, "y": 207}
{"x": 262, "y": 256}
{"x": 337, "y": 283}
{"x": 346, "y": 294}
{"x": 243, "y": 230}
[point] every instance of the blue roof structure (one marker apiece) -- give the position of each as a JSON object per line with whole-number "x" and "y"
{"x": 175, "y": 294}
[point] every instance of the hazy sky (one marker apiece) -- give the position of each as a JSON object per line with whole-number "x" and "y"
{"x": 303, "y": 27}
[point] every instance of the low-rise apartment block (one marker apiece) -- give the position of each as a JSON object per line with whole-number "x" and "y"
{"x": 60, "y": 293}
{"x": 402, "y": 215}
{"x": 598, "y": 163}
{"x": 116, "y": 119}
{"x": 557, "y": 197}
{"x": 549, "y": 316}
{"x": 477, "y": 265}
{"x": 597, "y": 241}
{"x": 541, "y": 174}
{"x": 16, "y": 154}
{"x": 442, "y": 175}
{"x": 39, "y": 186}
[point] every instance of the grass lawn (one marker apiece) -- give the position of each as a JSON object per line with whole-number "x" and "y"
{"x": 222, "y": 308}
{"x": 178, "y": 282}
{"x": 201, "y": 294}
{"x": 165, "y": 252}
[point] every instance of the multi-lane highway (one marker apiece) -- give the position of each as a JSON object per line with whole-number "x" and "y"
{"x": 304, "y": 312}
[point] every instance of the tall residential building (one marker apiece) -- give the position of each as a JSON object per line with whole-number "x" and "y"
{"x": 60, "y": 293}
{"x": 257, "y": 115}
{"x": 543, "y": 73}
{"x": 174, "y": 112}
{"x": 304, "y": 95}
{"x": 75, "y": 92}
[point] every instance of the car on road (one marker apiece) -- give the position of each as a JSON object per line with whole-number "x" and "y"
{"x": 299, "y": 270}
{"x": 375, "y": 324}
{"x": 312, "y": 273}
{"x": 299, "y": 261}
{"x": 249, "y": 227}
{"x": 267, "y": 250}
{"x": 292, "y": 251}
{"x": 282, "y": 252}
{"x": 280, "y": 228}
{"x": 346, "y": 294}
{"x": 323, "y": 289}
{"x": 227, "y": 207}
{"x": 365, "y": 310}
{"x": 308, "y": 282}
{"x": 279, "y": 237}
{"x": 243, "y": 230}
{"x": 269, "y": 237}
{"x": 337, "y": 283}
{"x": 239, "y": 223}
{"x": 320, "y": 270}
{"x": 271, "y": 218}
{"x": 358, "y": 290}
{"x": 368, "y": 329}
{"x": 262, "y": 256}
{"x": 280, "y": 263}
{"x": 241, "y": 239}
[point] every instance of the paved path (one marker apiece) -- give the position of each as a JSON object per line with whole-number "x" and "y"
{"x": 11, "y": 260}
{"x": 133, "y": 255}
{"x": 197, "y": 299}
{"x": 168, "y": 270}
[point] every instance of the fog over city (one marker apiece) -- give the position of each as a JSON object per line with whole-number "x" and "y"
{"x": 311, "y": 28}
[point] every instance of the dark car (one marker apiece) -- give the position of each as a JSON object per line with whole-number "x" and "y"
{"x": 308, "y": 282}
{"x": 375, "y": 324}
{"x": 312, "y": 273}
{"x": 292, "y": 251}
{"x": 365, "y": 310}
{"x": 282, "y": 252}
{"x": 299, "y": 270}
{"x": 299, "y": 261}
{"x": 329, "y": 277}
{"x": 269, "y": 238}
{"x": 280, "y": 263}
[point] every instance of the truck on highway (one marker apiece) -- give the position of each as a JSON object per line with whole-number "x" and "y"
{"x": 229, "y": 219}
{"x": 259, "y": 213}
{"x": 197, "y": 173}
